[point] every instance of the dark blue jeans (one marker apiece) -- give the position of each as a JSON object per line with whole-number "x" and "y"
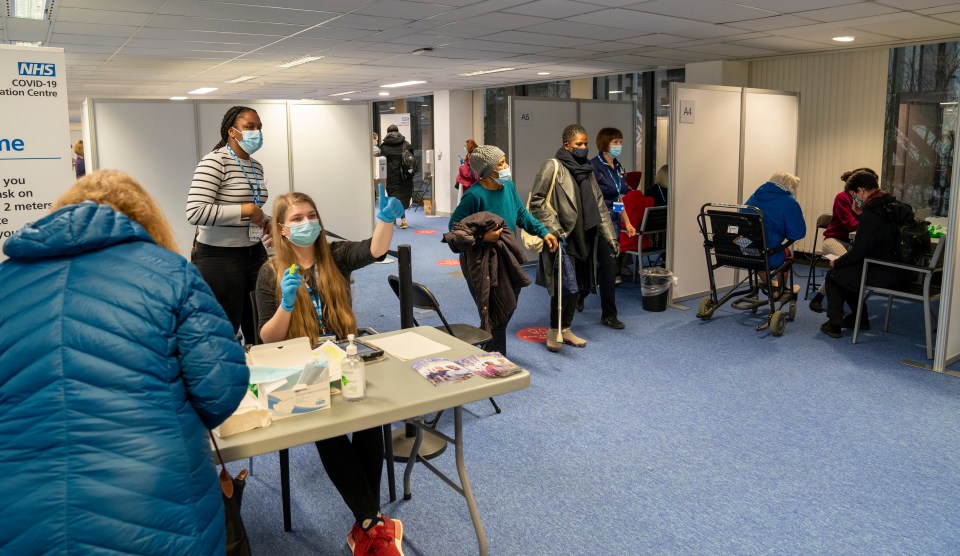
{"x": 231, "y": 272}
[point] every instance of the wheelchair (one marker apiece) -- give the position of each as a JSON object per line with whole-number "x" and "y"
{"x": 733, "y": 237}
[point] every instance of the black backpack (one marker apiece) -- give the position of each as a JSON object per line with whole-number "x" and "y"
{"x": 912, "y": 235}
{"x": 409, "y": 164}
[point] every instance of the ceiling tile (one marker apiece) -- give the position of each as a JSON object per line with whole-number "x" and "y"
{"x": 785, "y": 44}
{"x": 403, "y": 10}
{"x": 640, "y": 22}
{"x": 143, "y": 6}
{"x": 713, "y": 11}
{"x": 791, "y": 6}
{"x": 521, "y": 37}
{"x": 94, "y": 29}
{"x": 953, "y": 7}
{"x": 913, "y": 28}
{"x": 771, "y": 23}
{"x": 850, "y": 11}
{"x": 913, "y": 4}
{"x": 211, "y": 10}
{"x": 552, "y": 8}
{"x": 732, "y": 50}
{"x": 57, "y": 39}
{"x": 583, "y": 30}
{"x": 367, "y": 22}
{"x": 103, "y": 17}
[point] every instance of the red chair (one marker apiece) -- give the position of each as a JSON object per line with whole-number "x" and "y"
{"x": 633, "y": 181}
{"x": 635, "y": 203}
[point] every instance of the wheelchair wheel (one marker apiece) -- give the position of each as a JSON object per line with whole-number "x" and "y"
{"x": 778, "y": 322}
{"x": 706, "y": 308}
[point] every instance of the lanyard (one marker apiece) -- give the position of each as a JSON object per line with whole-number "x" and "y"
{"x": 317, "y": 302}
{"x": 617, "y": 178}
{"x": 251, "y": 183}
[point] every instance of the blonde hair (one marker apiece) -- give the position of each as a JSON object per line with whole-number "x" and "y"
{"x": 334, "y": 291}
{"x": 787, "y": 181}
{"x": 124, "y": 194}
{"x": 663, "y": 176}
{"x": 78, "y": 148}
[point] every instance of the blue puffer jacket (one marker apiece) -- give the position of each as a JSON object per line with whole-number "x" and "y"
{"x": 115, "y": 358}
{"x": 782, "y": 217}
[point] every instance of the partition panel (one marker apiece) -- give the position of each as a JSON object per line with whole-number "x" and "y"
{"x": 536, "y": 126}
{"x": 330, "y": 147}
{"x": 770, "y": 131}
{"x": 274, "y": 155}
{"x": 160, "y": 154}
{"x": 704, "y": 168}
{"x": 598, "y": 114}
{"x": 947, "y": 347}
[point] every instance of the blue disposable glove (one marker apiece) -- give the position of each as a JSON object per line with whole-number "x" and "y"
{"x": 288, "y": 289}
{"x": 390, "y": 207}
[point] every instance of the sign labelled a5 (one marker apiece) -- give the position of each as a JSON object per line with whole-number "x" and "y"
{"x": 524, "y": 119}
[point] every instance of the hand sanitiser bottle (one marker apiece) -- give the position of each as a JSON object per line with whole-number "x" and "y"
{"x": 354, "y": 380}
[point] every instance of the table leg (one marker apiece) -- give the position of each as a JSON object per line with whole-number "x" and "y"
{"x": 410, "y": 461}
{"x": 285, "y": 488}
{"x": 465, "y": 482}
{"x": 388, "y": 448}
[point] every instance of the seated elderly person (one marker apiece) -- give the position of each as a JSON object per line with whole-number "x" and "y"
{"x": 878, "y": 237}
{"x": 782, "y": 217}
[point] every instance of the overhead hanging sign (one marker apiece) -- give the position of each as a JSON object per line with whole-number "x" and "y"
{"x": 35, "y": 135}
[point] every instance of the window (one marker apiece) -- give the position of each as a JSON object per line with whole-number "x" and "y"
{"x": 922, "y": 92}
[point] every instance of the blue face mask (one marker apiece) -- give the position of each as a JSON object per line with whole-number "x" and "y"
{"x": 252, "y": 140}
{"x": 303, "y": 234}
{"x": 616, "y": 151}
{"x": 505, "y": 176}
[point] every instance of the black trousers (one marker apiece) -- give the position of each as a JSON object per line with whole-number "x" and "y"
{"x": 355, "y": 467}
{"x": 231, "y": 272}
{"x": 498, "y": 329}
{"x": 837, "y": 295}
{"x": 606, "y": 266}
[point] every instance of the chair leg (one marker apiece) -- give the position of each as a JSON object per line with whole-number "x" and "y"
{"x": 636, "y": 267}
{"x": 926, "y": 322}
{"x": 495, "y": 406}
{"x": 886, "y": 320}
{"x": 860, "y": 300}
{"x": 251, "y": 466}
{"x": 285, "y": 488}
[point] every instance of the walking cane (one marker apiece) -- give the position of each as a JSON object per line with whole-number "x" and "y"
{"x": 559, "y": 337}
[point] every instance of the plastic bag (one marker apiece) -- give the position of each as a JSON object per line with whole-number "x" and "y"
{"x": 655, "y": 280}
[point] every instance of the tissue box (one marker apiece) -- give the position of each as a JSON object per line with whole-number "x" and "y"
{"x": 248, "y": 416}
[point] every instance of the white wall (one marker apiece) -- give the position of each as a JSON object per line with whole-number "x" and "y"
{"x": 768, "y": 116}
{"x": 161, "y": 156}
{"x": 330, "y": 146}
{"x": 843, "y": 99}
{"x": 733, "y": 74}
{"x": 453, "y": 125}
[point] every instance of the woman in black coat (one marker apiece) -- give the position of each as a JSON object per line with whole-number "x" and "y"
{"x": 878, "y": 237}
{"x": 399, "y": 183}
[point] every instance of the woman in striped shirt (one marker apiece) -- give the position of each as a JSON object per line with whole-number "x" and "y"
{"x": 225, "y": 204}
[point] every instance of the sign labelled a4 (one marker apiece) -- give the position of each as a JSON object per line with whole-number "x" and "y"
{"x": 688, "y": 111}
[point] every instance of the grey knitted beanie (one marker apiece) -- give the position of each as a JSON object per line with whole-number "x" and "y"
{"x": 484, "y": 159}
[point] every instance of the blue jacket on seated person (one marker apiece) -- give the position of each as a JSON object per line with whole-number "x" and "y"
{"x": 782, "y": 217}
{"x": 115, "y": 359}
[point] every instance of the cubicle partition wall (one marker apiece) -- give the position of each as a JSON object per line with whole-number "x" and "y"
{"x": 322, "y": 149}
{"x": 725, "y": 142}
{"x": 947, "y": 347}
{"x": 536, "y": 126}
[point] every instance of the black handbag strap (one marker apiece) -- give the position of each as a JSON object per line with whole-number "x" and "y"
{"x": 217, "y": 448}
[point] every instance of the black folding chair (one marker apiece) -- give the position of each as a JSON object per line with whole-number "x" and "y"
{"x": 424, "y": 299}
{"x": 812, "y": 285}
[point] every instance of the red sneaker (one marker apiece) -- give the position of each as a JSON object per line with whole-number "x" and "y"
{"x": 385, "y": 539}
{"x": 357, "y": 540}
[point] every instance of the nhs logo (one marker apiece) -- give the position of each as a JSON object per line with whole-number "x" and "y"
{"x": 37, "y": 69}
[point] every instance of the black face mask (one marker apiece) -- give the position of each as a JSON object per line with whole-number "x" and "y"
{"x": 580, "y": 154}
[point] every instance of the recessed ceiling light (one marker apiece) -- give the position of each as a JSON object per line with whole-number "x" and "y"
{"x": 344, "y": 93}
{"x": 202, "y": 91}
{"x": 484, "y": 72}
{"x": 298, "y": 61}
{"x": 26, "y": 43}
{"x": 543, "y": 73}
{"x": 845, "y": 38}
{"x": 384, "y": 94}
{"x": 242, "y": 78}
{"x": 403, "y": 84}
{"x": 28, "y": 9}
{"x": 614, "y": 92}
{"x": 178, "y": 98}
{"x": 344, "y": 99}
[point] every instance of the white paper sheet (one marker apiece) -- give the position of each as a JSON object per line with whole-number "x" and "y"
{"x": 408, "y": 345}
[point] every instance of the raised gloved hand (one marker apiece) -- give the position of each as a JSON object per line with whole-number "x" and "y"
{"x": 390, "y": 207}
{"x": 288, "y": 289}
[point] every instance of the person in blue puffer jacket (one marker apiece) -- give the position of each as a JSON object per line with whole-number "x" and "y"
{"x": 782, "y": 216}
{"x": 115, "y": 359}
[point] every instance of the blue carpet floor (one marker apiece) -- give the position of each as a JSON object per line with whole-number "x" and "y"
{"x": 673, "y": 436}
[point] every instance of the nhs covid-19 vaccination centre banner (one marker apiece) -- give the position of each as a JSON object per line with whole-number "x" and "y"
{"x": 35, "y": 165}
